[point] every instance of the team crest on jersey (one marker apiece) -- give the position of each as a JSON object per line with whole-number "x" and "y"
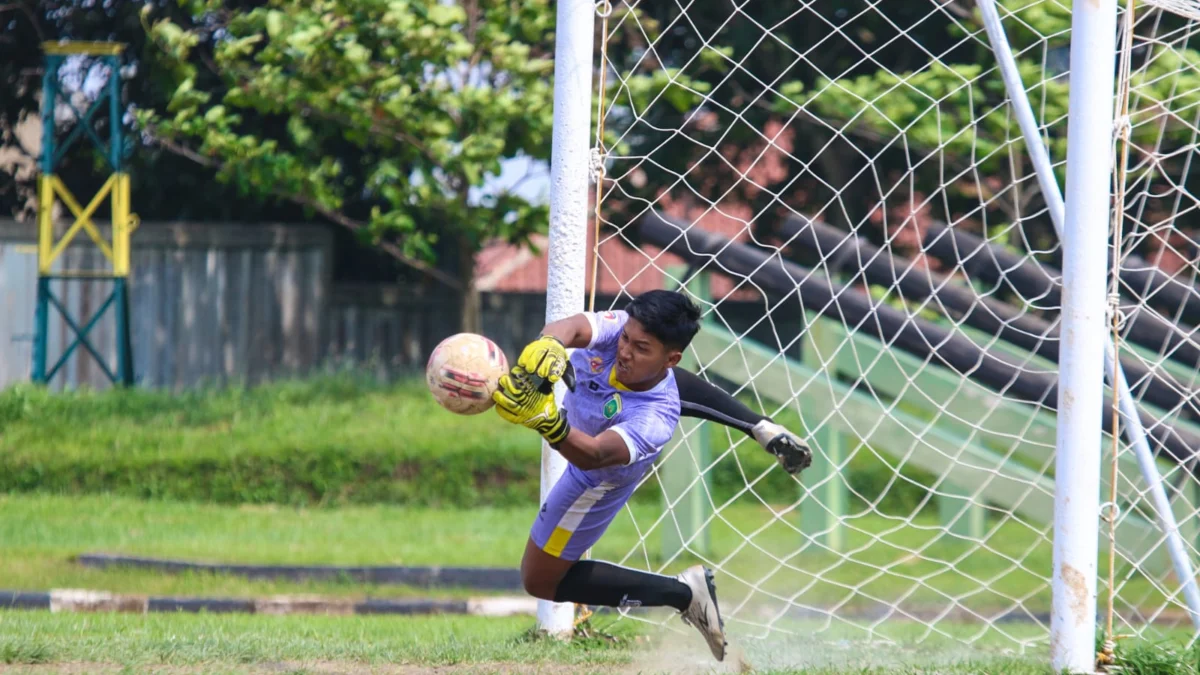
{"x": 612, "y": 406}
{"x": 596, "y": 363}
{"x": 610, "y": 316}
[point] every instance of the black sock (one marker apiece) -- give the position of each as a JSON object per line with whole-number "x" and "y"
{"x": 590, "y": 582}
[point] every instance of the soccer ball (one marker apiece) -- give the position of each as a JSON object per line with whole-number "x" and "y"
{"x": 463, "y": 371}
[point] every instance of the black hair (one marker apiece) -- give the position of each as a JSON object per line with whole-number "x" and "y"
{"x": 670, "y": 316}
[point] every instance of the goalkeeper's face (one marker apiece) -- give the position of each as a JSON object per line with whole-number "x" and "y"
{"x": 642, "y": 359}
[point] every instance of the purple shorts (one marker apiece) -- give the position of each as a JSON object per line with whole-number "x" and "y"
{"x": 576, "y": 513}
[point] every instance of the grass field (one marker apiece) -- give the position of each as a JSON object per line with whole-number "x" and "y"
{"x": 197, "y": 643}
{"x": 288, "y": 642}
{"x": 183, "y": 643}
{"x": 40, "y": 534}
{"x": 330, "y": 440}
{"x": 345, "y": 471}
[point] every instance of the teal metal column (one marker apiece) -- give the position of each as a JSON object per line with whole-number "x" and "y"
{"x": 124, "y": 343}
{"x": 41, "y": 323}
{"x": 826, "y": 495}
{"x": 685, "y": 486}
{"x": 959, "y": 513}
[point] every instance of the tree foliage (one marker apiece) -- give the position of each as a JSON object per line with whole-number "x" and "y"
{"x": 165, "y": 185}
{"x": 877, "y": 104}
{"x": 388, "y": 116}
{"x": 385, "y": 116}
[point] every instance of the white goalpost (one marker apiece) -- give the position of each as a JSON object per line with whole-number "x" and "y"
{"x": 565, "y": 284}
{"x": 867, "y": 200}
{"x": 1080, "y": 372}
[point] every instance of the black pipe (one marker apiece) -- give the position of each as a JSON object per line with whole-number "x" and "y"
{"x": 860, "y": 257}
{"x": 1040, "y": 284}
{"x": 1153, "y": 285}
{"x": 887, "y": 324}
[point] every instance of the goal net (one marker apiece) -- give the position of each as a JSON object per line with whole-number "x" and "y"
{"x": 845, "y": 190}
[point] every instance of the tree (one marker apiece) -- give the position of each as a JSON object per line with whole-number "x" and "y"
{"x": 386, "y": 117}
{"x": 883, "y": 101}
{"x": 165, "y": 185}
{"x": 827, "y": 75}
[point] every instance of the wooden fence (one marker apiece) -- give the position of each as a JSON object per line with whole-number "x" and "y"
{"x": 213, "y": 303}
{"x": 208, "y": 303}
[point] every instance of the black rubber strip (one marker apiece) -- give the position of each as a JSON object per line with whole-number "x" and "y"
{"x": 215, "y": 605}
{"x": 411, "y": 607}
{"x": 24, "y": 600}
{"x": 482, "y": 578}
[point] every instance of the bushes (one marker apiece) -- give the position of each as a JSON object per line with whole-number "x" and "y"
{"x": 329, "y": 440}
{"x": 327, "y": 476}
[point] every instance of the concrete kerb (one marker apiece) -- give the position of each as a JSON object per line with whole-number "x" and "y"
{"x": 82, "y": 600}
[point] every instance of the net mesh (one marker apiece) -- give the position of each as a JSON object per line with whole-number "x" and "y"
{"x": 1156, "y": 286}
{"x": 845, "y": 191}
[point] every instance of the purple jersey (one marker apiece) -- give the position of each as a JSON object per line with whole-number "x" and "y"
{"x": 645, "y": 419}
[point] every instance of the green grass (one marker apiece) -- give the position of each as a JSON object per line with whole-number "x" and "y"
{"x": 911, "y": 565}
{"x": 295, "y": 644}
{"x": 1164, "y": 657}
{"x": 327, "y": 440}
{"x": 40, "y": 535}
{"x": 359, "y": 644}
{"x": 236, "y": 643}
{"x": 137, "y": 640}
{"x": 345, "y": 470}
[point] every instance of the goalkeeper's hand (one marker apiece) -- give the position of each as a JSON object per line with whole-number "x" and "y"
{"x": 545, "y": 357}
{"x": 518, "y": 402}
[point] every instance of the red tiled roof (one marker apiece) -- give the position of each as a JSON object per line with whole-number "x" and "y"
{"x": 504, "y": 268}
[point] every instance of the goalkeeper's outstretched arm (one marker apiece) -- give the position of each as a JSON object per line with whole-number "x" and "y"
{"x": 701, "y": 399}
{"x": 574, "y": 332}
{"x": 546, "y": 357}
{"x": 588, "y": 452}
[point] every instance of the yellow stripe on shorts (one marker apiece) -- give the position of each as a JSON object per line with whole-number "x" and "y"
{"x": 557, "y": 541}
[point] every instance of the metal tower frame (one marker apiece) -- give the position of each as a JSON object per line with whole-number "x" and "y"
{"x": 51, "y": 187}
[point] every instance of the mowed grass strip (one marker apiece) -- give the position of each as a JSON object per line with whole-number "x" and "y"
{"x": 760, "y": 554}
{"x": 329, "y": 440}
{"x": 182, "y": 643}
{"x": 41, "y": 535}
{"x": 42, "y": 637}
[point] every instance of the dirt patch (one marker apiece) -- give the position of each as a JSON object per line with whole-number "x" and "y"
{"x": 684, "y": 653}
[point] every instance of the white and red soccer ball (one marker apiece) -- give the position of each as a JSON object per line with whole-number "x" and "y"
{"x": 463, "y": 371}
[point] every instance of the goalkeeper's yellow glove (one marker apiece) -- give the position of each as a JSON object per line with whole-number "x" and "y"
{"x": 517, "y": 401}
{"x": 545, "y": 357}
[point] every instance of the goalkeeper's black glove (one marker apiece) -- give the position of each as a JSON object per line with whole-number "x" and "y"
{"x": 517, "y": 401}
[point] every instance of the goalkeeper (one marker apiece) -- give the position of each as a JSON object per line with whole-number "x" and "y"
{"x": 623, "y": 407}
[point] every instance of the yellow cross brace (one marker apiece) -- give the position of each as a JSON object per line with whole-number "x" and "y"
{"x": 83, "y": 47}
{"x": 122, "y": 222}
{"x": 83, "y": 218}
